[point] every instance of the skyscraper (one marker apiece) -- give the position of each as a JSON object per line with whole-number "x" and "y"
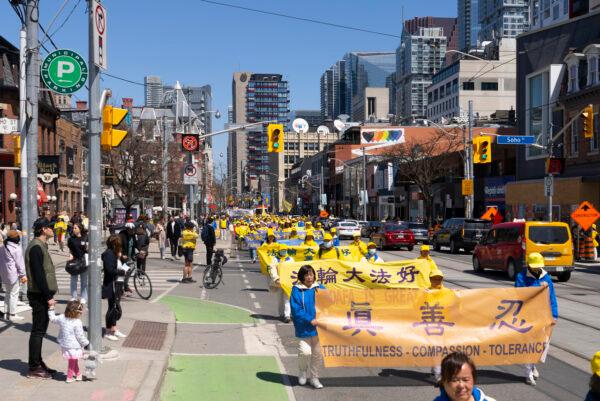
{"x": 200, "y": 100}
{"x": 153, "y": 91}
{"x": 333, "y": 91}
{"x": 468, "y": 24}
{"x": 256, "y": 97}
{"x": 503, "y": 19}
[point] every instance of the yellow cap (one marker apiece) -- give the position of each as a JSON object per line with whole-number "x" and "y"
{"x": 371, "y": 244}
{"x": 333, "y": 230}
{"x": 327, "y": 237}
{"x": 270, "y": 232}
{"x": 318, "y": 224}
{"x": 436, "y": 273}
{"x": 425, "y": 248}
{"x": 308, "y": 223}
{"x": 596, "y": 363}
{"x": 309, "y": 233}
{"x": 535, "y": 260}
{"x": 356, "y": 235}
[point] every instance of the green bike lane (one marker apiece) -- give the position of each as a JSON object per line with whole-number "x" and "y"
{"x": 230, "y": 346}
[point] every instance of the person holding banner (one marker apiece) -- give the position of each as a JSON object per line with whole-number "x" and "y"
{"x": 372, "y": 256}
{"x": 336, "y": 239}
{"x": 594, "y": 393}
{"x": 536, "y": 276}
{"x": 304, "y": 313}
{"x": 327, "y": 250}
{"x": 309, "y": 239}
{"x": 357, "y": 245}
{"x": 293, "y": 233}
{"x": 275, "y": 285}
{"x": 425, "y": 256}
{"x": 459, "y": 376}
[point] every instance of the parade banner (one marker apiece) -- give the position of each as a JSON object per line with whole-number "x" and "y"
{"x": 303, "y": 253}
{"x": 339, "y": 274}
{"x": 416, "y": 327}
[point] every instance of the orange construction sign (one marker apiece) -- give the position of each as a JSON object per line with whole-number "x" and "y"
{"x": 489, "y": 214}
{"x": 585, "y": 215}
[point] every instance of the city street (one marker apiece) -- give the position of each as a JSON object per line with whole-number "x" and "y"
{"x": 210, "y": 353}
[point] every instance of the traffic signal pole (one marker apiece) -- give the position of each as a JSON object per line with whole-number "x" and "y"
{"x": 25, "y": 222}
{"x": 469, "y": 173}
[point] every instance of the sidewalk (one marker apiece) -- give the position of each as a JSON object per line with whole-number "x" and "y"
{"x": 136, "y": 374}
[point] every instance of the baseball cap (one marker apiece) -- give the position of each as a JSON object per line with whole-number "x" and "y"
{"x": 535, "y": 260}
{"x": 42, "y": 223}
{"x": 425, "y": 248}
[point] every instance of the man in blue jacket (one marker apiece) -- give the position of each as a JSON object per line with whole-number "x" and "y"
{"x": 536, "y": 276}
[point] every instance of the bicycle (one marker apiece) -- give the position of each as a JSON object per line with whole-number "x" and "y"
{"x": 213, "y": 273}
{"x": 141, "y": 281}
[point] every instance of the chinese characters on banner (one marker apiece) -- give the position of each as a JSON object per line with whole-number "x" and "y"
{"x": 415, "y": 327}
{"x": 413, "y": 273}
{"x": 302, "y": 253}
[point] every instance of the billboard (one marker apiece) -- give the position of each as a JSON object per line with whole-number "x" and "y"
{"x": 377, "y": 136}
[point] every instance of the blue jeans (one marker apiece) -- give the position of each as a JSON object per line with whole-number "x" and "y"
{"x": 252, "y": 253}
{"x": 84, "y": 285}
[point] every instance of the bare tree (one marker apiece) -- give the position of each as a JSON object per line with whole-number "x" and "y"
{"x": 426, "y": 160}
{"x": 136, "y": 165}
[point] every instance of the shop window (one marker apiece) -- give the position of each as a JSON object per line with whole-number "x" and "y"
{"x": 468, "y": 86}
{"x": 574, "y": 139}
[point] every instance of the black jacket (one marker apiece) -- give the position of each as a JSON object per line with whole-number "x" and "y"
{"x": 77, "y": 246}
{"x": 142, "y": 242}
{"x": 175, "y": 231}
{"x": 208, "y": 235}
{"x": 124, "y": 244}
{"x": 109, "y": 265}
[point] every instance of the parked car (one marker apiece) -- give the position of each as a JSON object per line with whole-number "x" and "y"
{"x": 371, "y": 227}
{"x": 393, "y": 235}
{"x": 420, "y": 231}
{"x": 347, "y": 229}
{"x": 460, "y": 233}
{"x": 506, "y": 246}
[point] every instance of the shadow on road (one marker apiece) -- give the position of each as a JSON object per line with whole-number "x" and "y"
{"x": 256, "y": 289}
{"x": 398, "y": 378}
{"x": 265, "y": 317}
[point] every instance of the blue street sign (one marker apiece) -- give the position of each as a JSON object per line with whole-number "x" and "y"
{"x": 515, "y": 140}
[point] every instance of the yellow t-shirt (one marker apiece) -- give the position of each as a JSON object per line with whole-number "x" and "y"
{"x": 60, "y": 227}
{"x": 330, "y": 253}
{"x": 361, "y": 247}
{"x": 188, "y": 239}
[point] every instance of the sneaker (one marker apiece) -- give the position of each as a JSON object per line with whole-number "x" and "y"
{"x": 79, "y": 377}
{"x": 530, "y": 380}
{"x": 119, "y": 334}
{"x": 21, "y": 303}
{"x": 302, "y": 378}
{"x": 70, "y": 380}
{"x": 111, "y": 337}
{"x": 15, "y": 318}
{"x": 287, "y": 319}
{"x": 535, "y": 372}
{"x": 38, "y": 373}
{"x": 316, "y": 383}
{"x": 191, "y": 280}
{"x": 184, "y": 280}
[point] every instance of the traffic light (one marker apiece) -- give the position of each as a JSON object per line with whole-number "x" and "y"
{"x": 588, "y": 121}
{"x": 275, "y": 138}
{"x": 482, "y": 149}
{"x": 111, "y": 137}
{"x": 17, "y": 150}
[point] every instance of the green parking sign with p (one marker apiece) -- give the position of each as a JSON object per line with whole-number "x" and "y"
{"x": 64, "y": 71}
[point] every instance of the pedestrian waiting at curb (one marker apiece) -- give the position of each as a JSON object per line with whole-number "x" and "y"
{"x": 536, "y": 276}
{"x": 594, "y": 393}
{"x": 71, "y": 337}
{"x": 78, "y": 244}
{"x": 459, "y": 376}
{"x": 12, "y": 272}
{"x": 304, "y": 313}
{"x": 112, "y": 288}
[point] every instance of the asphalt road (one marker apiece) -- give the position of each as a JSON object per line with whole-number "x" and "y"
{"x": 211, "y": 343}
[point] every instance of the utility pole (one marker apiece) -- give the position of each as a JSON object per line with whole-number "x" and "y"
{"x": 470, "y": 199}
{"x": 95, "y": 192}
{"x": 25, "y": 222}
{"x": 29, "y": 205}
{"x": 165, "y": 170}
{"x": 365, "y": 197}
{"x": 549, "y": 179}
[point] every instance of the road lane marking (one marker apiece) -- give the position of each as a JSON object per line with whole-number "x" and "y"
{"x": 252, "y": 295}
{"x": 257, "y": 305}
{"x": 246, "y": 281}
{"x": 248, "y": 287}
{"x": 244, "y": 275}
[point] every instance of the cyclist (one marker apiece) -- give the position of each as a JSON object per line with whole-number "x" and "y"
{"x": 275, "y": 285}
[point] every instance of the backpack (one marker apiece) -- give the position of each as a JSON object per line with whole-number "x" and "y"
{"x": 204, "y": 234}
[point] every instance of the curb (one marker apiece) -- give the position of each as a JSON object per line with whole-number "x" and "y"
{"x": 150, "y": 386}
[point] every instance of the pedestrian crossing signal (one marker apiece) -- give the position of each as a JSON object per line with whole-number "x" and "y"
{"x": 482, "y": 149}
{"x": 275, "y": 138}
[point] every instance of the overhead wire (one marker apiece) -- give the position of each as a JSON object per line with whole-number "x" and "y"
{"x": 65, "y": 20}
{"x": 62, "y": 7}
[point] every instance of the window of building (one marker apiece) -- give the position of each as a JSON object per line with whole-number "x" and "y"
{"x": 592, "y": 77}
{"x": 594, "y": 140}
{"x": 536, "y": 114}
{"x": 371, "y": 107}
{"x": 468, "y": 86}
{"x": 574, "y": 138}
{"x": 489, "y": 86}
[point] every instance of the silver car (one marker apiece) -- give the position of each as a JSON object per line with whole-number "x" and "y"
{"x": 420, "y": 231}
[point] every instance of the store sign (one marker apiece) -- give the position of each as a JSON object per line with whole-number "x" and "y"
{"x": 494, "y": 189}
{"x": 48, "y": 168}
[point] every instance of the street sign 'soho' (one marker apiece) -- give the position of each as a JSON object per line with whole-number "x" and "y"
{"x": 64, "y": 71}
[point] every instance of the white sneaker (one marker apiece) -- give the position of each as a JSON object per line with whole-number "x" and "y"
{"x": 111, "y": 337}
{"x": 21, "y": 303}
{"x": 302, "y": 378}
{"x": 316, "y": 383}
{"x": 119, "y": 334}
{"x": 535, "y": 372}
{"x": 15, "y": 318}
{"x": 530, "y": 380}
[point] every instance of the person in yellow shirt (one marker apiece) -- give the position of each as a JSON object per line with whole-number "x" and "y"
{"x": 309, "y": 239}
{"x": 188, "y": 245}
{"x": 443, "y": 295}
{"x": 223, "y": 226}
{"x": 430, "y": 262}
{"x": 358, "y": 246}
{"x": 372, "y": 256}
{"x": 319, "y": 229}
{"x": 327, "y": 250}
{"x": 293, "y": 233}
{"x": 336, "y": 239}
{"x": 60, "y": 227}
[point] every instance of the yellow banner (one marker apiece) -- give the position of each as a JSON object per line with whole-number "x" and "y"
{"x": 303, "y": 253}
{"x": 413, "y": 273}
{"x": 415, "y": 327}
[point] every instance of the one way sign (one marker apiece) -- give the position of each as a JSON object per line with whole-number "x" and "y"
{"x": 585, "y": 215}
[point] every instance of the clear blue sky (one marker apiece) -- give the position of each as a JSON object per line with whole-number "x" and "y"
{"x": 199, "y": 43}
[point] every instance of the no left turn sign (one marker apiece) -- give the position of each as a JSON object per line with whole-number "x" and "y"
{"x": 190, "y": 170}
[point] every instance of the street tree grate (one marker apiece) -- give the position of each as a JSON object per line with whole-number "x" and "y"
{"x": 146, "y": 335}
